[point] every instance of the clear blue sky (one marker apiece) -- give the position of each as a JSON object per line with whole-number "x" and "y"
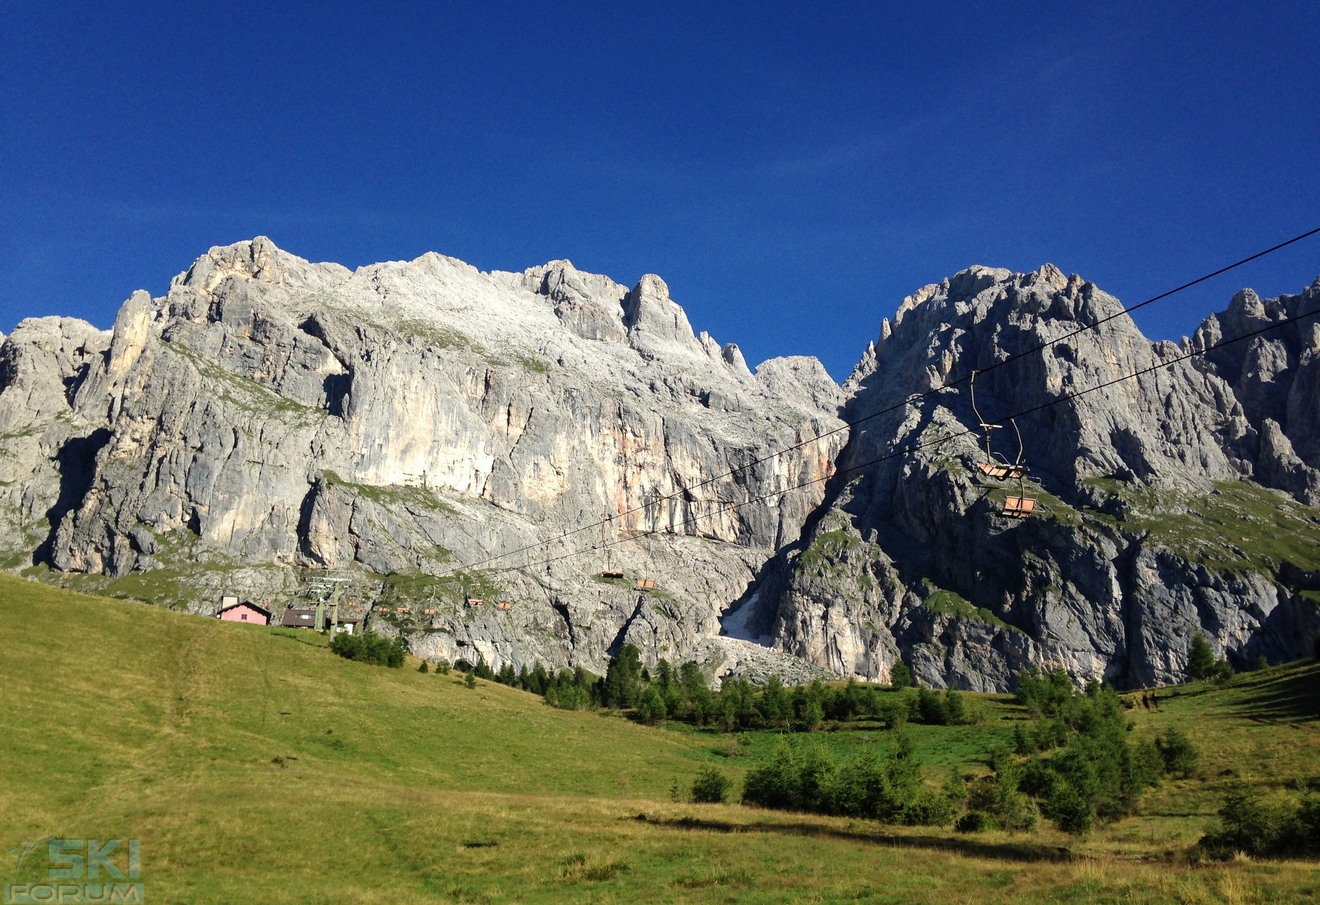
{"x": 792, "y": 170}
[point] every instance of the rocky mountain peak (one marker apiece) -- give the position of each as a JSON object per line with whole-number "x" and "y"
{"x": 257, "y": 259}
{"x": 398, "y": 423}
{"x": 590, "y": 305}
{"x": 656, "y": 325}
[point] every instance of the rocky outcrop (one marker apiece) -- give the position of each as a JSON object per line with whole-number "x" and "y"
{"x": 911, "y": 557}
{"x": 428, "y": 433}
{"x": 1275, "y": 375}
{"x": 541, "y": 466}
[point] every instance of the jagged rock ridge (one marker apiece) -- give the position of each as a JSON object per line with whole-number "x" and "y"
{"x": 911, "y": 557}
{"x": 270, "y": 420}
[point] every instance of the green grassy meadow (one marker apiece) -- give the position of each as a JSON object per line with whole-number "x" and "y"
{"x": 256, "y": 766}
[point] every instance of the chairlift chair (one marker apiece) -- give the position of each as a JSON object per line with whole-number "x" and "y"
{"x": 1000, "y": 469}
{"x": 996, "y": 466}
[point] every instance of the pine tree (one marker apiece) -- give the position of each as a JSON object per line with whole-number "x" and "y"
{"x": 1200, "y": 659}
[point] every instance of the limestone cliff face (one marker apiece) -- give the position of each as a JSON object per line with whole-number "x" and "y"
{"x": 426, "y": 434}
{"x": 422, "y": 430}
{"x": 1127, "y": 555}
{"x": 1275, "y": 375}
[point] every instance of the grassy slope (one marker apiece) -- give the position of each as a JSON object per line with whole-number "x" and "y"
{"x": 255, "y": 766}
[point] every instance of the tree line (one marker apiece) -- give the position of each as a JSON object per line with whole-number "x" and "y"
{"x": 683, "y": 694}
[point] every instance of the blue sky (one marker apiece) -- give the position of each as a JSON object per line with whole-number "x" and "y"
{"x": 792, "y": 170}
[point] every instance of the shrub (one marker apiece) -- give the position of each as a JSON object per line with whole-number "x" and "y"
{"x": 1178, "y": 753}
{"x": 710, "y": 787}
{"x": 1246, "y": 824}
{"x": 930, "y": 708}
{"x": 1070, "y": 809}
{"x": 996, "y": 802}
{"x": 955, "y": 710}
{"x": 369, "y": 647}
{"x": 1045, "y": 694}
{"x": 651, "y": 707}
{"x": 974, "y": 822}
{"x": 424, "y": 667}
{"x": 1201, "y": 662}
{"x": 1097, "y": 775}
{"x": 773, "y": 784}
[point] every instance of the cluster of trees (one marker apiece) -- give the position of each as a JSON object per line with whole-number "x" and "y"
{"x": 1251, "y": 825}
{"x": 1074, "y": 765}
{"x": 368, "y": 647}
{"x": 889, "y": 789}
{"x": 1076, "y": 761}
{"x": 682, "y": 694}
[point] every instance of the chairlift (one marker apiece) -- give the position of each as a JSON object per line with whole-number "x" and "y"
{"x": 996, "y": 467}
{"x": 1018, "y": 506}
{"x": 1000, "y": 469}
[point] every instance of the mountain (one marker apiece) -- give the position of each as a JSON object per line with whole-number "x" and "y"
{"x": 1156, "y": 519}
{"x": 270, "y": 421}
{"x": 424, "y": 434}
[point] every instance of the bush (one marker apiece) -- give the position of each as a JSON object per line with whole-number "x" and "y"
{"x": 424, "y": 667}
{"x": 1201, "y": 662}
{"x": 369, "y": 647}
{"x": 1252, "y": 826}
{"x": 955, "y": 709}
{"x": 710, "y": 787}
{"x": 1246, "y": 824}
{"x": 1178, "y": 753}
{"x": 996, "y": 802}
{"x": 930, "y": 708}
{"x": 651, "y": 707}
{"x": 1045, "y": 694}
{"x": 1097, "y": 775}
{"x": 773, "y": 784}
{"x": 890, "y": 791}
{"x": 1070, "y": 809}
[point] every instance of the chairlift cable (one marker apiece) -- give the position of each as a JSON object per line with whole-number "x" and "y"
{"x": 948, "y": 384}
{"x": 907, "y": 450}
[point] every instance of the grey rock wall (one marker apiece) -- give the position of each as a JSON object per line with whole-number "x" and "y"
{"x": 911, "y": 557}
{"x": 428, "y": 434}
{"x": 272, "y": 420}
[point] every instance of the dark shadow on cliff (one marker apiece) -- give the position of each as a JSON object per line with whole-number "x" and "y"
{"x": 775, "y": 574}
{"x": 77, "y": 465}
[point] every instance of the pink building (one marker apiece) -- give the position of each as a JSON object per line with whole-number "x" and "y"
{"x": 244, "y": 612}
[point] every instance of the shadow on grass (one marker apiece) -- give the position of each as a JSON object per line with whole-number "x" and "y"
{"x": 292, "y": 636}
{"x": 1002, "y": 851}
{"x": 1293, "y": 697}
